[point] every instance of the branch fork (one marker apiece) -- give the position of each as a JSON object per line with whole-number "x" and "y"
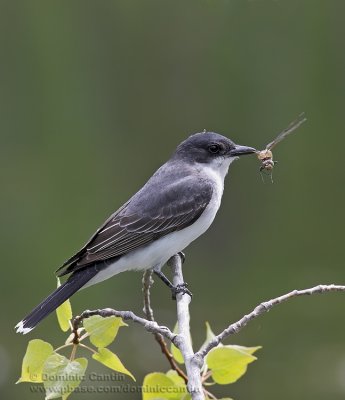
{"x": 194, "y": 361}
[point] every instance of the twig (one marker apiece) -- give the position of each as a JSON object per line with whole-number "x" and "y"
{"x": 261, "y": 309}
{"x": 74, "y": 350}
{"x": 63, "y": 347}
{"x": 193, "y": 361}
{"x": 184, "y": 343}
{"x": 147, "y": 283}
{"x": 88, "y": 348}
{"x": 150, "y": 326}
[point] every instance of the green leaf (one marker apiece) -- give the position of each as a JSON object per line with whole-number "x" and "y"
{"x": 229, "y": 363}
{"x": 247, "y": 350}
{"x": 36, "y": 354}
{"x": 61, "y": 376}
{"x": 223, "y": 398}
{"x": 176, "y": 354}
{"x": 176, "y": 378}
{"x": 209, "y": 336}
{"x": 64, "y": 313}
{"x": 102, "y": 330}
{"x": 167, "y": 386}
{"x": 175, "y": 351}
{"x": 111, "y": 360}
{"x": 209, "y": 333}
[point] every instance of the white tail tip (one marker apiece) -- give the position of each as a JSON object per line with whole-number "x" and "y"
{"x": 20, "y": 328}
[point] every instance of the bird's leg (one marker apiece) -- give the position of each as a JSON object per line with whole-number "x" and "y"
{"x": 181, "y": 288}
{"x": 163, "y": 278}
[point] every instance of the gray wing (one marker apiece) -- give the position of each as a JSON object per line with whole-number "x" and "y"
{"x": 152, "y": 213}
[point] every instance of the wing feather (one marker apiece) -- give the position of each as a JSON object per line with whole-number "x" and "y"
{"x": 149, "y": 215}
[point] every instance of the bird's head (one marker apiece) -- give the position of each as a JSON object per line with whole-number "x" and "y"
{"x": 211, "y": 148}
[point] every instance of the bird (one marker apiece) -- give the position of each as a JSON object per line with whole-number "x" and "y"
{"x": 175, "y": 206}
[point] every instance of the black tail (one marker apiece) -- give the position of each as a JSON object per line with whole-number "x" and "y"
{"x": 55, "y": 299}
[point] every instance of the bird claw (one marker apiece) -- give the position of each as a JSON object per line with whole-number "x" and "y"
{"x": 181, "y": 288}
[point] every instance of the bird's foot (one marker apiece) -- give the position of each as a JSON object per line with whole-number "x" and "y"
{"x": 181, "y": 288}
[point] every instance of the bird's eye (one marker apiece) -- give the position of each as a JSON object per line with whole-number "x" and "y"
{"x": 214, "y": 148}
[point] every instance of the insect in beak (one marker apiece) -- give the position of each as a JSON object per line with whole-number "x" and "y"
{"x": 266, "y": 155}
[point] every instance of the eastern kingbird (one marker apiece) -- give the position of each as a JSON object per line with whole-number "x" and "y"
{"x": 176, "y": 205}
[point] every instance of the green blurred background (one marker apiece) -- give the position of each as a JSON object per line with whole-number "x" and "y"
{"x": 94, "y": 97}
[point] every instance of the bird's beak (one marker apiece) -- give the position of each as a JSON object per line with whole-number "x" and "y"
{"x": 240, "y": 150}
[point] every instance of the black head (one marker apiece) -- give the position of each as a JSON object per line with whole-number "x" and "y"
{"x": 207, "y": 146}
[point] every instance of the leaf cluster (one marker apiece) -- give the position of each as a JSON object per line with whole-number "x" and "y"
{"x": 61, "y": 375}
{"x": 223, "y": 365}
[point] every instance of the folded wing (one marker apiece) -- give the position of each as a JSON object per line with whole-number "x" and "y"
{"x": 149, "y": 215}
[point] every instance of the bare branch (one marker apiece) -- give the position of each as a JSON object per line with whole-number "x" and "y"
{"x": 184, "y": 343}
{"x": 150, "y": 326}
{"x": 261, "y": 309}
{"x": 193, "y": 361}
{"x": 147, "y": 283}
